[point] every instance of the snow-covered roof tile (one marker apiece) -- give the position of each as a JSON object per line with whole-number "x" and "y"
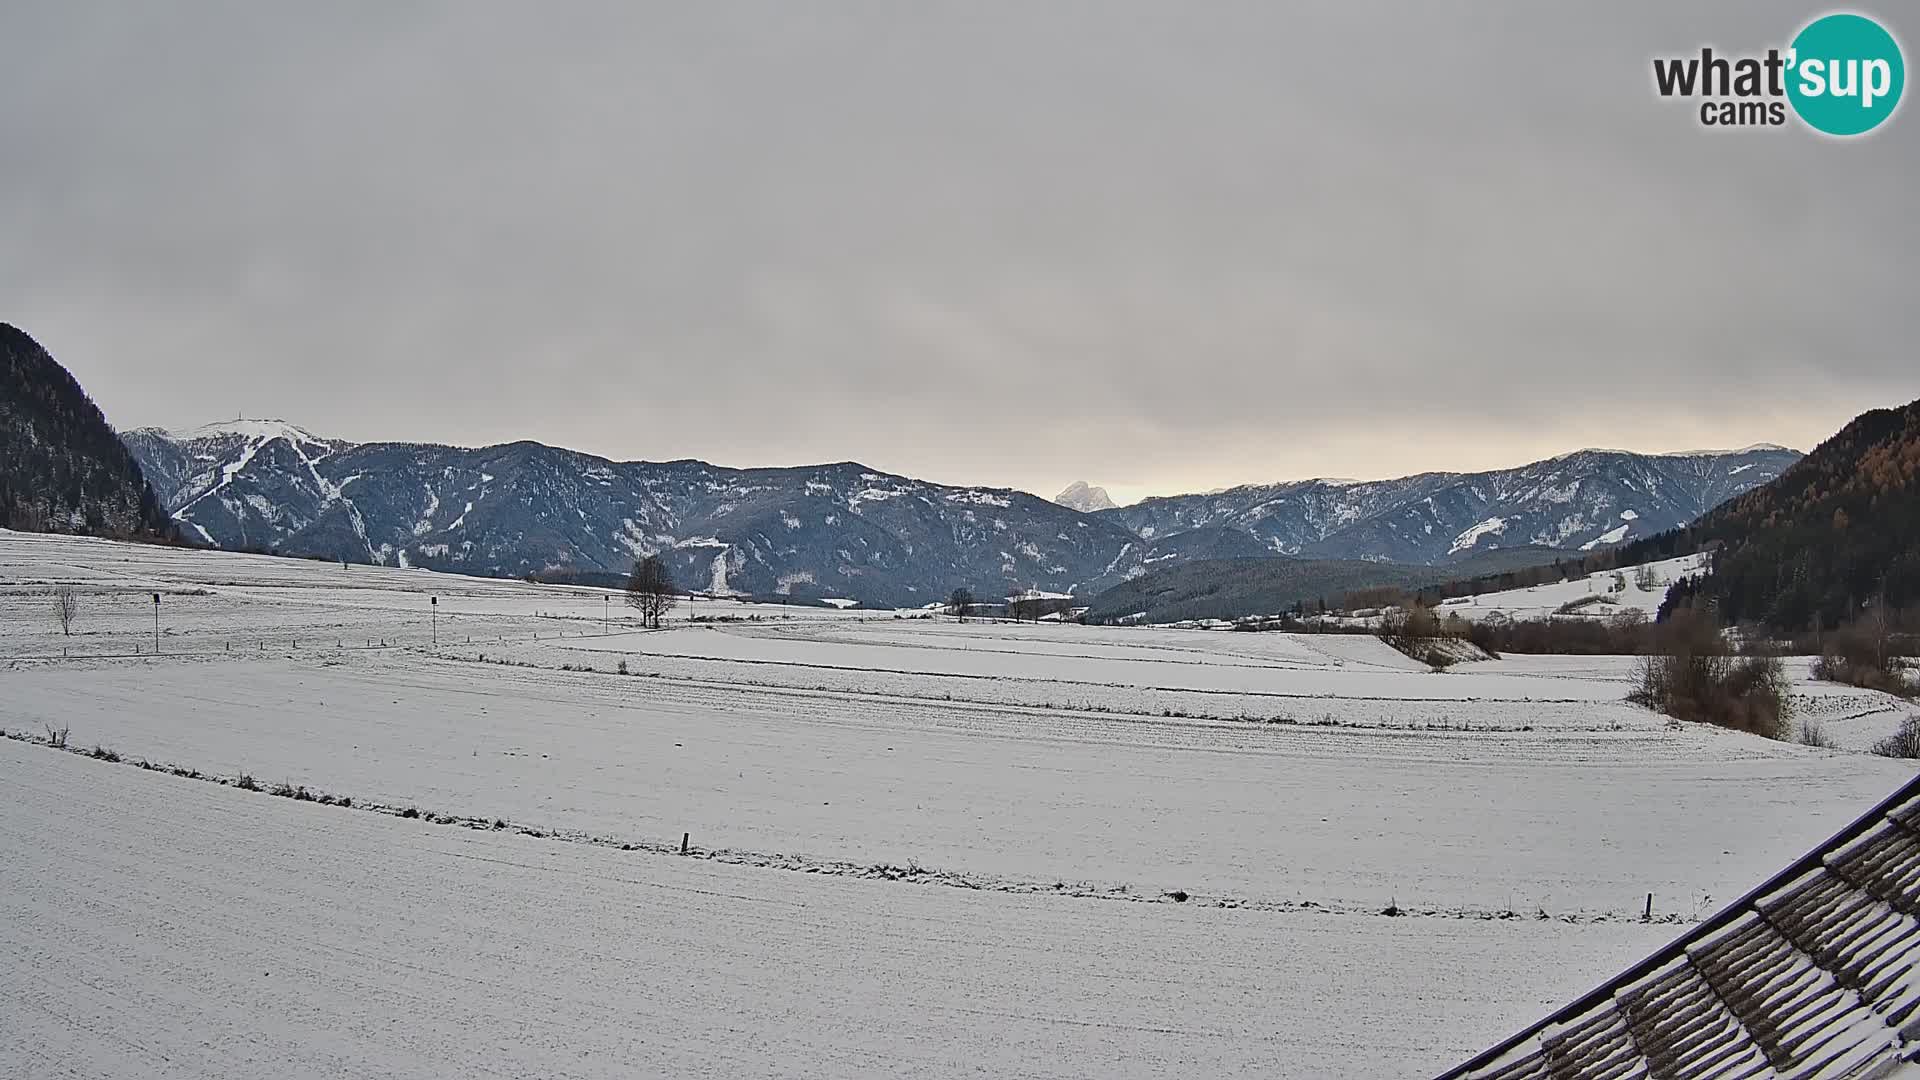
{"x": 1813, "y": 975}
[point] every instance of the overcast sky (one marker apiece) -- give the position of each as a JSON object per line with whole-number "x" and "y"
{"x": 1161, "y": 247}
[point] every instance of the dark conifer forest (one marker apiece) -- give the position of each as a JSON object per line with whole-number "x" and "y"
{"x": 1838, "y": 531}
{"x": 62, "y": 467}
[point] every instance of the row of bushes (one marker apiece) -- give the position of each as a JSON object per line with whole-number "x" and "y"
{"x": 1695, "y": 676}
{"x": 1625, "y": 634}
{"x": 1688, "y": 669}
{"x": 1867, "y": 653}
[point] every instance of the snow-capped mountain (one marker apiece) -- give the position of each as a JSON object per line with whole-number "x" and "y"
{"x": 848, "y": 531}
{"x": 194, "y": 472}
{"x": 1582, "y": 500}
{"x": 840, "y": 530}
{"x": 1079, "y": 496}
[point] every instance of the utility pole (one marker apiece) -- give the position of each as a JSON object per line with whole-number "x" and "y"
{"x": 156, "y": 623}
{"x": 433, "y": 603}
{"x": 606, "y": 615}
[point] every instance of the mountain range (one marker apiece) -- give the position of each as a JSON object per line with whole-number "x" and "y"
{"x": 1578, "y": 501}
{"x": 849, "y": 531}
{"x": 827, "y": 531}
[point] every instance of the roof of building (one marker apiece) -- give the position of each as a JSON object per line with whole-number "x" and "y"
{"x": 1814, "y": 975}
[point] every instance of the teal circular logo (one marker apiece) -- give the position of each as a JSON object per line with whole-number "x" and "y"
{"x": 1845, "y": 74}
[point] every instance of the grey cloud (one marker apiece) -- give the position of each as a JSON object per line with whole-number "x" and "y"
{"x": 1158, "y": 246}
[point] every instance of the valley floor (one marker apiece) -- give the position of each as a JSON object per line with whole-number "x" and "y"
{"x": 164, "y": 927}
{"x": 915, "y": 847}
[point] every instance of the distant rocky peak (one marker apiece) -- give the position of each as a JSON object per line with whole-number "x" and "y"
{"x": 1078, "y": 496}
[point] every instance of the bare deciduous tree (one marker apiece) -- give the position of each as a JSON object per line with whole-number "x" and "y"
{"x": 1864, "y": 653}
{"x": 1693, "y": 675}
{"x": 960, "y": 602}
{"x": 66, "y": 605}
{"x": 1028, "y": 606}
{"x": 650, "y": 590}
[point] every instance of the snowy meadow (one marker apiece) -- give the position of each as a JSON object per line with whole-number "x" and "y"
{"x": 520, "y": 835}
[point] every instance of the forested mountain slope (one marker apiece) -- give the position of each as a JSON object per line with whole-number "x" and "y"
{"x": 62, "y": 467}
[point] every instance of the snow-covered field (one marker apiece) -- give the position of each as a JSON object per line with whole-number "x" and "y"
{"x": 216, "y": 602}
{"x": 158, "y": 927}
{"x": 916, "y": 846}
{"x": 1601, "y": 595}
